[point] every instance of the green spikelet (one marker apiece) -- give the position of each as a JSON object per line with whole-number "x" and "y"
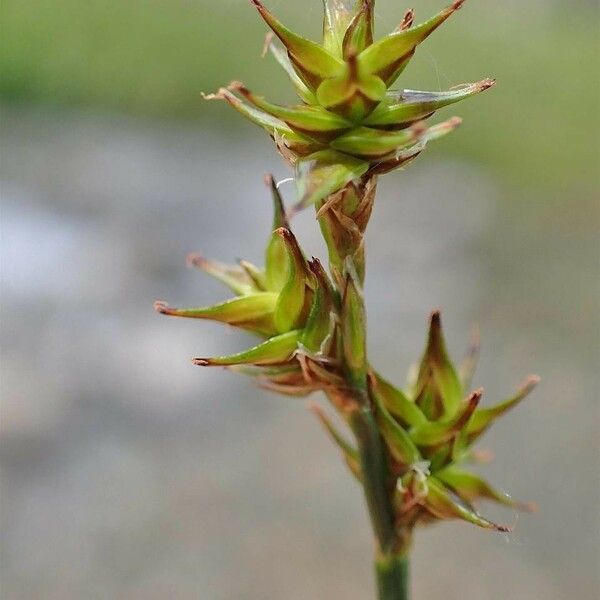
{"x": 347, "y": 105}
{"x": 429, "y": 433}
{"x": 291, "y": 303}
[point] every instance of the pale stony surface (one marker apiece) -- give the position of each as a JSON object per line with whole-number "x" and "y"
{"x": 128, "y": 473}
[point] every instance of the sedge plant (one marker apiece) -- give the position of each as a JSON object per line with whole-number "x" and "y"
{"x": 408, "y": 449}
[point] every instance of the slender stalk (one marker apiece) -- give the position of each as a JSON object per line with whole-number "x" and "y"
{"x": 392, "y": 572}
{"x": 346, "y": 254}
{"x": 391, "y": 569}
{"x": 374, "y": 470}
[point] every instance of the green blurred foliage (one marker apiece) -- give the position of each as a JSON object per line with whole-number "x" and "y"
{"x": 536, "y": 130}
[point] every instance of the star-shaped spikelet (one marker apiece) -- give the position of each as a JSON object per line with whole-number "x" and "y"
{"x": 349, "y": 123}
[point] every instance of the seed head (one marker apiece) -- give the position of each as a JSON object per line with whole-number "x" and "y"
{"x": 348, "y": 111}
{"x": 429, "y": 430}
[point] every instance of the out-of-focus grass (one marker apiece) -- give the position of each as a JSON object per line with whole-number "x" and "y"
{"x": 536, "y": 130}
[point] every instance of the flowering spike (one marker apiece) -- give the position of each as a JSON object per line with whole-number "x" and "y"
{"x": 324, "y": 173}
{"x": 253, "y": 312}
{"x": 278, "y": 349}
{"x": 439, "y": 502}
{"x": 388, "y": 57}
{"x": 312, "y": 62}
{"x": 484, "y": 417}
{"x": 232, "y": 276}
{"x": 349, "y": 129}
{"x": 345, "y": 104}
{"x": 397, "y": 403}
{"x": 438, "y": 388}
{"x": 336, "y": 119}
{"x": 470, "y": 487}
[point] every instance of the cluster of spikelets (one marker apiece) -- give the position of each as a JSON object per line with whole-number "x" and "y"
{"x": 430, "y": 430}
{"x": 291, "y": 302}
{"x": 347, "y": 130}
{"x": 313, "y": 340}
{"x": 349, "y": 124}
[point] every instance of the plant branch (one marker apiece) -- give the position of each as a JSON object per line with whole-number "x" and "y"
{"x": 344, "y": 218}
{"x": 374, "y": 470}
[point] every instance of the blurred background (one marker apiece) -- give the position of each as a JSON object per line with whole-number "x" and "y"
{"x": 128, "y": 473}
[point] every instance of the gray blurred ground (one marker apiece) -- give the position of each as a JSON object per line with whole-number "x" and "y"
{"x": 128, "y": 473}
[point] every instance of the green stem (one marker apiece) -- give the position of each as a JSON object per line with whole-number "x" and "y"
{"x": 346, "y": 254}
{"x": 391, "y": 566}
{"x": 374, "y": 471}
{"x": 392, "y": 577}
